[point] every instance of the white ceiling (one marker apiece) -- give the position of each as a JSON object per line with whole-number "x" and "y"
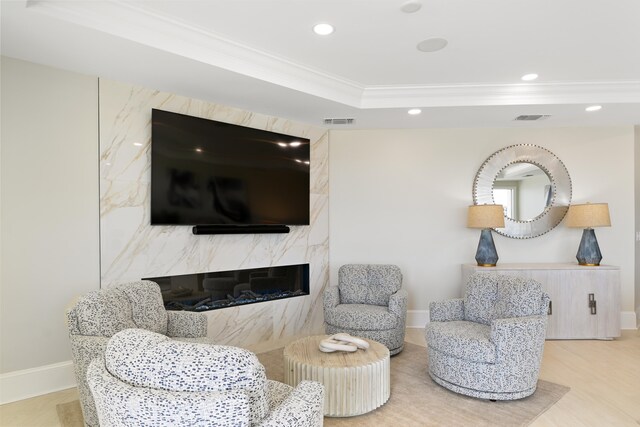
{"x": 261, "y": 55}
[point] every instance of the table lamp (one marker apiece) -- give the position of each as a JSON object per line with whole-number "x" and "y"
{"x": 486, "y": 217}
{"x": 587, "y": 216}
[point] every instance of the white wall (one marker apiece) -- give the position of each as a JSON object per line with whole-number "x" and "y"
{"x": 637, "y": 215}
{"x": 49, "y": 220}
{"x": 401, "y": 197}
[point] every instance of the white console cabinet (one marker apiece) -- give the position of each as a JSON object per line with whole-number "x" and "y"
{"x": 585, "y": 301}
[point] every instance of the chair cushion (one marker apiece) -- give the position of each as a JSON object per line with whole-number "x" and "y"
{"x": 121, "y": 404}
{"x": 147, "y": 359}
{"x": 462, "y": 339}
{"x": 368, "y": 283}
{"x": 107, "y": 311}
{"x": 147, "y": 307}
{"x": 364, "y": 317}
{"x": 102, "y": 313}
{"x": 480, "y": 298}
{"x": 495, "y": 296}
{"x": 518, "y": 297}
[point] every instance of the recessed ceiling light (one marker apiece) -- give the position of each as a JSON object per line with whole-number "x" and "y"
{"x": 295, "y": 144}
{"x": 432, "y": 45}
{"x": 414, "y": 111}
{"x": 593, "y": 108}
{"x": 411, "y": 7}
{"x": 137, "y": 144}
{"x": 199, "y": 150}
{"x": 282, "y": 144}
{"x": 323, "y": 29}
{"x": 529, "y": 77}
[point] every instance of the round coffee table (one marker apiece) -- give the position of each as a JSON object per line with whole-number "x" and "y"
{"x": 354, "y": 383}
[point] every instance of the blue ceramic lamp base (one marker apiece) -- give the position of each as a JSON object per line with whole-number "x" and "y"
{"x": 486, "y": 255}
{"x": 589, "y": 251}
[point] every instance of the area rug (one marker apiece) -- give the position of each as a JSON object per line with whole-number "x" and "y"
{"x": 415, "y": 399}
{"x": 70, "y": 414}
{"x": 418, "y": 401}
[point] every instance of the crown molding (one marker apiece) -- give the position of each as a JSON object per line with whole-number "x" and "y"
{"x": 504, "y": 94}
{"x": 165, "y": 33}
{"x": 134, "y": 23}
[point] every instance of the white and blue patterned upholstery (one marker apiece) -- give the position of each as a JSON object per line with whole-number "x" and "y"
{"x": 147, "y": 379}
{"x": 368, "y": 302}
{"x": 489, "y": 344}
{"x": 98, "y": 315}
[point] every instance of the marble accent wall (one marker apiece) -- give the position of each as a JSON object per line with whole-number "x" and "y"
{"x": 131, "y": 248}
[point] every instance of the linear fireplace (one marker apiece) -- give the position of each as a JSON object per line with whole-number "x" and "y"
{"x": 221, "y": 289}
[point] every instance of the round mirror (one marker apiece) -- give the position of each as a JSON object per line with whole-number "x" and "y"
{"x": 523, "y": 189}
{"x": 532, "y": 185}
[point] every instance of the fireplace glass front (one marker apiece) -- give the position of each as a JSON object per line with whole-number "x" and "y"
{"x": 221, "y": 289}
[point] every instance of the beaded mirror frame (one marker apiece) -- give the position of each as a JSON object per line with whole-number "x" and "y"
{"x": 558, "y": 175}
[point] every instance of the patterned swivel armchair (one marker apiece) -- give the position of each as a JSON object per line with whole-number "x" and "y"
{"x": 368, "y": 302}
{"x": 489, "y": 344}
{"x": 97, "y": 316}
{"x": 146, "y": 379}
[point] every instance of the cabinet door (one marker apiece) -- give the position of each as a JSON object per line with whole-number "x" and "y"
{"x": 610, "y": 325}
{"x": 585, "y": 304}
{"x": 584, "y": 319}
{"x": 558, "y": 312}
{"x": 598, "y": 298}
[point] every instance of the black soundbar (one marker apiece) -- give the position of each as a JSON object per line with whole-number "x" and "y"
{"x": 240, "y": 229}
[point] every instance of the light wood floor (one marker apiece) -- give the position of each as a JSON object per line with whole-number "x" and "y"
{"x": 604, "y": 377}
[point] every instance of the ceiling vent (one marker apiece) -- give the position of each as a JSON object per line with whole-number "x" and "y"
{"x": 532, "y": 117}
{"x": 339, "y": 121}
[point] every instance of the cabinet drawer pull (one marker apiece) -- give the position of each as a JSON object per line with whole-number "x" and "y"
{"x": 592, "y": 304}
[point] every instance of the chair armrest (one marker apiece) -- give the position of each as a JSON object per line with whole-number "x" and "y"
{"x": 446, "y": 311}
{"x": 398, "y": 303}
{"x": 330, "y": 300}
{"x": 331, "y": 297}
{"x": 186, "y": 324}
{"x": 303, "y": 407}
{"x": 84, "y": 349}
{"x": 519, "y": 339}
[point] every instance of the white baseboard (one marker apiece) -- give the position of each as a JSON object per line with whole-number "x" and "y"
{"x": 18, "y": 385}
{"x": 628, "y": 320}
{"x": 419, "y": 318}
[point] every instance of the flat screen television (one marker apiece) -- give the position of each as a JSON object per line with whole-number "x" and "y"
{"x": 205, "y": 172}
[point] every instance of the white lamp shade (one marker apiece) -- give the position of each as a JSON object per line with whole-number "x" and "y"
{"x": 485, "y": 216}
{"x": 588, "y": 215}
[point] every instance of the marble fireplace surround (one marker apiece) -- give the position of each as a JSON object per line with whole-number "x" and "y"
{"x": 131, "y": 248}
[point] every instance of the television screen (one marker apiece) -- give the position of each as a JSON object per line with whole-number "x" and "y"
{"x": 210, "y": 172}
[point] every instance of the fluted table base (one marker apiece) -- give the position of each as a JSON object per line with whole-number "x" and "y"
{"x": 355, "y": 383}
